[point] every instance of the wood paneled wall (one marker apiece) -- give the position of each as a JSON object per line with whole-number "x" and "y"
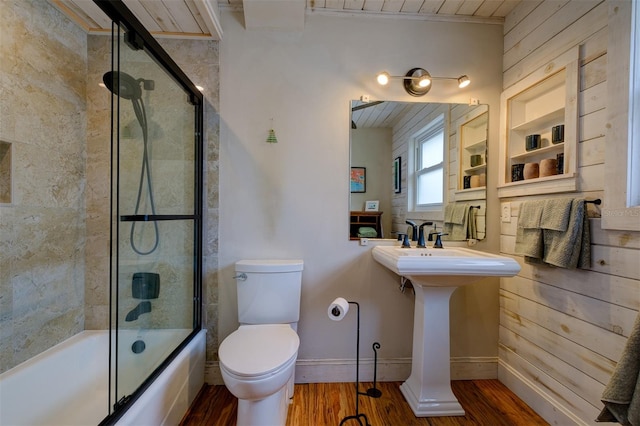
{"x": 421, "y": 115}
{"x": 563, "y": 331}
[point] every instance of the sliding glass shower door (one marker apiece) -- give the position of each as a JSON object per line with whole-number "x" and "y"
{"x": 156, "y": 218}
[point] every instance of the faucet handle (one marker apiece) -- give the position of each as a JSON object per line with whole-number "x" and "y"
{"x": 405, "y": 240}
{"x": 438, "y": 243}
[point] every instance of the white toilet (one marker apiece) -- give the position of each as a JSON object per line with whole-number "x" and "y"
{"x": 257, "y": 361}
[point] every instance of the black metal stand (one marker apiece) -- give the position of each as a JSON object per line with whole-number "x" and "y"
{"x": 373, "y": 392}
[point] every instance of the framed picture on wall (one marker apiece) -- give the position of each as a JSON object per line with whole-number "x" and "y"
{"x": 358, "y": 179}
{"x": 371, "y": 206}
{"x": 396, "y": 175}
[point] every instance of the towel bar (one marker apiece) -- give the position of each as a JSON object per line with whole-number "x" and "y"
{"x": 597, "y": 201}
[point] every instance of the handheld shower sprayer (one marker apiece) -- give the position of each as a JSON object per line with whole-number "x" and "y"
{"x": 125, "y": 86}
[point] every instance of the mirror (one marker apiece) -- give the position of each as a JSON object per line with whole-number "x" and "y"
{"x": 380, "y": 137}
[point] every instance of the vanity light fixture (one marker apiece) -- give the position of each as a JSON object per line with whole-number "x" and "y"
{"x": 417, "y": 81}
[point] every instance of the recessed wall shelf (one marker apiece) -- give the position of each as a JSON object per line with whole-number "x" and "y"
{"x": 472, "y": 161}
{"x": 548, "y": 97}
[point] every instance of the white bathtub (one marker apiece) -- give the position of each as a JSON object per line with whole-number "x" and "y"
{"x": 68, "y": 384}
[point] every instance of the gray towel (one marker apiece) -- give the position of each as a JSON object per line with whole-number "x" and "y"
{"x": 471, "y": 224}
{"x": 570, "y": 248}
{"x": 459, "y": 221}
{"x": 530, "y": 214}
{"x": 565, "y": 242}
{"x": 556, "y": 213}
{"x": 447, "y": 227}
{"x": 621, "y": 397}
{"x": 448, "y": 213}
{"x": 529, "y": 242}
{"x": 459, "y": 216}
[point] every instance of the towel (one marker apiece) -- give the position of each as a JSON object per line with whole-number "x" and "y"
{"x": 459, "y": 216}
{"x": 448, "y": 212}
{"x": 556, "y": 213}
{"x": 447, "y": 227}
{"x": 367, "y": 232}
{"x": 570, "y": 248}
{"x": 472, "y": 229}
{"x": 621, "y": 396}
{"x": 459, "y": 222}
{"x": 529, "y": 240}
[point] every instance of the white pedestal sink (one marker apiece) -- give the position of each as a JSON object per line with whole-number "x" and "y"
{"x": 436, "y": 274}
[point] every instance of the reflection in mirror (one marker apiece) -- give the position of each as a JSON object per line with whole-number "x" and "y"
{"x": 389, "y": 140}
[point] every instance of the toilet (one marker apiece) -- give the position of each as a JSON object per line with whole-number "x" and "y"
{"x": 257, "y": 361}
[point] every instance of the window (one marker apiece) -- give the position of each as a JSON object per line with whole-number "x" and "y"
{"x": 620, "y": 210}
{"x": 633, "y": 165}
{"x": 427, "y": 179}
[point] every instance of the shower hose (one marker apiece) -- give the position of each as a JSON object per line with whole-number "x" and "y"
{"x": 145, "y": 171}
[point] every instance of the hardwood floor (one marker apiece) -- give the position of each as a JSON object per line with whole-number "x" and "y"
{"x": 486, "y": 402}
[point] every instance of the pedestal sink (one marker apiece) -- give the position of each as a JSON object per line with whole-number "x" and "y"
{"x": 436, "y": 274}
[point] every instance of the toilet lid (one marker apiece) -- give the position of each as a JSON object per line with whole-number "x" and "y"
{"x": 258, "y": 349}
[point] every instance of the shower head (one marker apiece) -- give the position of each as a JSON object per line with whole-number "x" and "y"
{"x": 128, "y": 87}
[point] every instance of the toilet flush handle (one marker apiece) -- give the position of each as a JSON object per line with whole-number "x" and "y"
{"x": 241, "y": 277}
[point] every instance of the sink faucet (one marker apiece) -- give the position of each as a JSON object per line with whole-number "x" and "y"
{"x": 438, "y": 243}
{"x": 421, "y": 243}
{"x": 414, "y": 229}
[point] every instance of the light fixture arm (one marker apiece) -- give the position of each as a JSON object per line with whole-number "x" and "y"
{"x": 417, "y": 81}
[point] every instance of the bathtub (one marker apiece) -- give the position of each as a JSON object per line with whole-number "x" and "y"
{"x": 68, "y": 384}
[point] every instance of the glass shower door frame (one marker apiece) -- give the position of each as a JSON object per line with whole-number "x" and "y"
{"x": 138, "y": 37}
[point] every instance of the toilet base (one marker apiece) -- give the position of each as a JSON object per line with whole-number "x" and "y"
{"x": 270, "y": 411}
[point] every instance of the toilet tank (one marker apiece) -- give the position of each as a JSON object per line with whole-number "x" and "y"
{"x": 270, "y": 293}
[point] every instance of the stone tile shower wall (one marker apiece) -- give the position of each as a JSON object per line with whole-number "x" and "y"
{"x": 42, "y": 230}
{"x": 54, "y": 235}
{"x": 199, "y": 59}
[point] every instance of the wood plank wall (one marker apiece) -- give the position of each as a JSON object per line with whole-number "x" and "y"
{"x": 562, "y": 331}
{"x": 412, "y": 123}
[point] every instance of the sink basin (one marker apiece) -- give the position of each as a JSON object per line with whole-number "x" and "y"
{"x": 446, "y": 267}
{"x": 436, "y": 274}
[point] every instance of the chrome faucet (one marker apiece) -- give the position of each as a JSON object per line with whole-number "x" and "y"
{"x": 421, "y": 242}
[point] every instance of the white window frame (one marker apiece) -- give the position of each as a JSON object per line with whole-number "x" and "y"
{"x": 436, "y": 125}
{"x": 619, "y": 211}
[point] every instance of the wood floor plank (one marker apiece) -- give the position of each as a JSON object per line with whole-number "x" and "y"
{"x": 486, "y": 403}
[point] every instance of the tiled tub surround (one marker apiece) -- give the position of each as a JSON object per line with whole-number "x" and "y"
{"x": 54, "y": 236}
{"x": 42, "y": 231}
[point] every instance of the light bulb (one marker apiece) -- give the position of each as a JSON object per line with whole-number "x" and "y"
{"x": 383, "y": 78}
{"x": 424, "y": 81}
{"x": 463, "y": 81}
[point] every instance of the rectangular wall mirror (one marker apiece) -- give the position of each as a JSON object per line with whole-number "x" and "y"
{"x": 391, "y": 140}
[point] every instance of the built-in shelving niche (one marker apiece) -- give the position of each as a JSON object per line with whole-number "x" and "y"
{"x": 546, "y": 98}
{"x": 5, "y": 172}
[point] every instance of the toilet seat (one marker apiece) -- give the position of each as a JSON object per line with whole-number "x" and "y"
{"x": 258, "y": 350}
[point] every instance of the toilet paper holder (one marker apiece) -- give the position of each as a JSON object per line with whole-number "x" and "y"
{"x": 337, "y": 312}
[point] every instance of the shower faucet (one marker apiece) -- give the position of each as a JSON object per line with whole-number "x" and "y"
{"x": 142, "y": 308}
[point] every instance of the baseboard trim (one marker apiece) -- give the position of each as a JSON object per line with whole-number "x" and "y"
{"x": 389, "y": 370}
{"x": 535, "y": 397}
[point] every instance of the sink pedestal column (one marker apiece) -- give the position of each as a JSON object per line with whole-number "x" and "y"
{"x": 428, "y": 388}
